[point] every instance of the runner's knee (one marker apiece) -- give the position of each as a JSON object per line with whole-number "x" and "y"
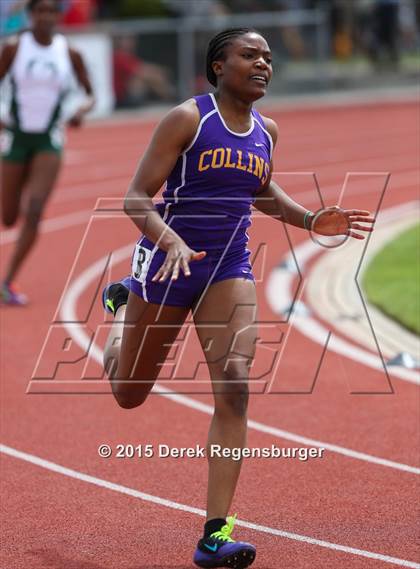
{"x": 233, "y": 395}
{"x": 128, "y": 401}
{"x": 129, "y": 396}
{"x": 34, "y": 211}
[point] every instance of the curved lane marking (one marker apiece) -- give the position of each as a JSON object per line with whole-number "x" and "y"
{"x": 57, "y": 468}
{"x": 283, "y": 280}
{"x": 68, "y": 314}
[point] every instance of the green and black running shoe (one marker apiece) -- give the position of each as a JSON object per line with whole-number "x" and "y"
{"x": 220, "y": 550}
{"x": 115, "y": 295}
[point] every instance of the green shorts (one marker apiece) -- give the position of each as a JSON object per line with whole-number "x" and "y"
{"x": 18, "y": 146}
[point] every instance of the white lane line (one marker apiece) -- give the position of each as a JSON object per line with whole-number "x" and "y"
{"x": 398, "y": 180}
{"x": 89, "y": 189}
{"x": 57, "y": 468}
{"x": 363, "y": 97}
{"x": 78, "y": 217}
{"x": 51, "y": 224}
{"x": 68, "y": 314}
{"x": 285, "y": 104}
{"x": 282, "y": 280}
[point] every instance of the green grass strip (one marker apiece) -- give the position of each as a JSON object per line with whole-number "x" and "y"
{"x": 392, "y": 279}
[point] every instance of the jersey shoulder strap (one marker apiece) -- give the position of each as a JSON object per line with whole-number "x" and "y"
{"x": 258, "y": 118}
{"x": 205, "y": 104}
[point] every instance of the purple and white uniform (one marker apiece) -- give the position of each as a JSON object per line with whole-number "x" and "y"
{"x": 207, "y": 201}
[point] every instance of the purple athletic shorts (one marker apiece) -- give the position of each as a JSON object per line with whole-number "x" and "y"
{"x": 185, "y": 291}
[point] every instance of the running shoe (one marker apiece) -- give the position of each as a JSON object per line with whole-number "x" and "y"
{"x": 10, "y": 295}
{"x": 220, "y": 550}
{"x": 115, "y": 294}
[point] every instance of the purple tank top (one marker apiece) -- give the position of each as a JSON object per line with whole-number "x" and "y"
{"x": 209, "y": 193}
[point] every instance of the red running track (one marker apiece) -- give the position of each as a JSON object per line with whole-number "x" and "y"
{"x": 80, "y": 511}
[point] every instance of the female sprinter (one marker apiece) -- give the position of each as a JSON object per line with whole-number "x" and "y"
{"x": 40, "y": 65}
{"x": 215, "y": 152}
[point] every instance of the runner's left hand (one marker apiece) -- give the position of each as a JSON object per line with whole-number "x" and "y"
{"x": 336, "y": 221}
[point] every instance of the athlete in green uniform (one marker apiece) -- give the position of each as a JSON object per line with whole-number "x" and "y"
{"x": 40, "y": 65}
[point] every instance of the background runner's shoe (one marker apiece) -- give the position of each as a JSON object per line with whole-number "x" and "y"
{"x": 115, "y": 294}
{"x": 11, "y": 296}
{"x": 220, "y": 550}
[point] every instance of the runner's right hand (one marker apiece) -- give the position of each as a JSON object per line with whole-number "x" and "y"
{"x": 178, "y": 257}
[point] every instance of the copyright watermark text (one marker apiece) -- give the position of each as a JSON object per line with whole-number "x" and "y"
{"x": 142, "y": 451}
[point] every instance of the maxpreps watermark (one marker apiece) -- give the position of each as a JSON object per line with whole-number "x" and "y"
{"x": 142, "y": 451}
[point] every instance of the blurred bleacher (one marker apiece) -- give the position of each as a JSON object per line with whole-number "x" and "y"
{"x": 155, "y": 49}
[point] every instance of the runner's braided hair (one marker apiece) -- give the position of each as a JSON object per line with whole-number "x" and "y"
{"x": 216, "y": 49}
{"x": 32, "y": 4}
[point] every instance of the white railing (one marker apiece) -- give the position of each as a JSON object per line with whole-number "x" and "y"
{"x": 185, "y": 30}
